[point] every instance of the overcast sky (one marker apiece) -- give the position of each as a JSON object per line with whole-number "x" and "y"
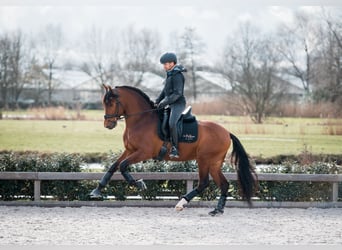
{"x": 214, "y": 20}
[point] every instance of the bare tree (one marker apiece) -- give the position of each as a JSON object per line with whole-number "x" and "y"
{"x": 5, "y": 47}
{"x": 50, "y": 43}
{"x": 103, "y": 61}
{"x": 328, "y": 59}
{"x": 120, "y": 57}
{"x": 34, "y": 76}
{"x": 298, "y": 43}
{"x": 334, "y": 26}
{"x": 251, "y": 64}
{"x": 18, "y": 65}
{"x": 191, "y": 47}
{"x": 11, "y": 57}
{"x": 141, "y": 48}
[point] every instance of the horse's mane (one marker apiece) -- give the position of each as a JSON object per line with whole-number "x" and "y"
{"x": 141, "y": 93}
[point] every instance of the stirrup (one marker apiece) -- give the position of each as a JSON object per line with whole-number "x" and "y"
{"x": 174, "y": 152}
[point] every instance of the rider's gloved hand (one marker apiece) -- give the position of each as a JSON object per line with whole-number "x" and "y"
{"x": 161, "y": 105}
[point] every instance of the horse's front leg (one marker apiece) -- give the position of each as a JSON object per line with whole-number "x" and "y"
{"x": 96, "y": 193}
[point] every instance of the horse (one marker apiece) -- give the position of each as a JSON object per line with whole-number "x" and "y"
{"x": 142, "y": 142}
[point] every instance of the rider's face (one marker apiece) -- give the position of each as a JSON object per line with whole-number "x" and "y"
{"x": 168, "y": 65}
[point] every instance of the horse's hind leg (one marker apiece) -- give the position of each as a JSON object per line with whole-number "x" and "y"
{"x": 203, "y": 183}
{"x": 223, "y": 184}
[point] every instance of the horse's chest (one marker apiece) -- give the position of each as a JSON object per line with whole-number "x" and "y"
{"x": 131, "y": 139}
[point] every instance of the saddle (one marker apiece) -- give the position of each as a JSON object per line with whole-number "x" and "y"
{"x": 187, "y": 127}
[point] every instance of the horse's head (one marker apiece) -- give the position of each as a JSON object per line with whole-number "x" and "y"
{"x": 125, "y": 102}
{"x": 112, "y": 107}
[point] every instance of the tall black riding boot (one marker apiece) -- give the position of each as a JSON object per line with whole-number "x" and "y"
{"x": 174, "y": 142}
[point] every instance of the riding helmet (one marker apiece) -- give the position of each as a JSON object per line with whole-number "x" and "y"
{"x": 168, "y": 57}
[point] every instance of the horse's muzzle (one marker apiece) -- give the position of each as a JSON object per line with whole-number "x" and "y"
{"x": 110, "y": 124}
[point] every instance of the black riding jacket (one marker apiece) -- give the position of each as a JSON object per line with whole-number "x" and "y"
{"x": 173, "y": 91}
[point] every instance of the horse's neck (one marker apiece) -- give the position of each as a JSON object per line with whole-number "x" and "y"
{"x": 138, "y": 111}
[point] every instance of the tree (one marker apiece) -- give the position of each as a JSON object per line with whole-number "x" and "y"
{"x": 297, "y": 46}
{"x": 34, "y": 75}
{"x": 11, "y": 71}
{"x": 50, "y": 43}
{"x": 328, "y": 59}
{"x": 120, "y": 56}
{"x": 191, "y": 47}
{"x": 251, "y": 64}
{"x": 5, "y": 48}
{"x": 17, "y": 65}
{"x": 103, "y": 62}
{"x": 141, "y": 48}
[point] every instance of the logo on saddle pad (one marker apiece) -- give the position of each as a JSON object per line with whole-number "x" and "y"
{"x": 188, "y": 137}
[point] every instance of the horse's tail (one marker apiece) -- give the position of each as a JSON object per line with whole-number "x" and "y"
{"x": 247, "y": 177}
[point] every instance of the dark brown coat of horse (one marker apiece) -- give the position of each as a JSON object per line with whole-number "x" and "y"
{"x": 142, "y": 143}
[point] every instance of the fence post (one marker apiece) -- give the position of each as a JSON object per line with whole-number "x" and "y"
{"x": 189, "y": 186}
{"x": 335, "y": 191}
{"x": 37, "y": 190}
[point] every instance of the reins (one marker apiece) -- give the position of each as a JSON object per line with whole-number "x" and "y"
{"x": 120, "y": 117}
{"x": 125, "y": 116}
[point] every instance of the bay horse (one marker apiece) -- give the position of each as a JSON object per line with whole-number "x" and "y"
{"x": 142, "y": 142}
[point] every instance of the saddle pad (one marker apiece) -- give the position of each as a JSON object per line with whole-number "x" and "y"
{"x": 189, "y": 132}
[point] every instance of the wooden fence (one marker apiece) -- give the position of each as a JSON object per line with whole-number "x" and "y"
{"x": 189, "y": 177}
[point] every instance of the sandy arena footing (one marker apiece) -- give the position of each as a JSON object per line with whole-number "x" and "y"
{"x": 164, "y": 226}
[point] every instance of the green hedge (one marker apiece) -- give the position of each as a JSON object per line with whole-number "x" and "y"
{"x": 23, "y": 189}
{"x": 79, "y": 190}
{"x": 299, "y": 191}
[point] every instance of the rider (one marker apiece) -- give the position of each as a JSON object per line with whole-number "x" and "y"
{"x": 172, "y": 96}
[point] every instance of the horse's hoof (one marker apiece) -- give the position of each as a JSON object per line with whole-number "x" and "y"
{"x": 95, "y": 194}
{"x": 141, "y": 184}
{"x": 216, "y": 212}
{"x": 180, "y": 204}
{"x": 178, "y": 209}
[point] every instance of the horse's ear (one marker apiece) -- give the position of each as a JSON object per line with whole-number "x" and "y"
{"x": 105, "y": 87}
{"x": 109, "y": 88}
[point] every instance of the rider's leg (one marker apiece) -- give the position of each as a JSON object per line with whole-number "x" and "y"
{"x": 176, "y": 112}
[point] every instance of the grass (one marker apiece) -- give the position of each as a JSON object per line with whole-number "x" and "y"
{"x": 277, "y": 136}
{"x": 59, "y": 136}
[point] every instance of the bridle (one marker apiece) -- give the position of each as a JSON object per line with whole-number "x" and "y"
{"x": 117, "y": 110}
{"x": 125, "y": 116}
